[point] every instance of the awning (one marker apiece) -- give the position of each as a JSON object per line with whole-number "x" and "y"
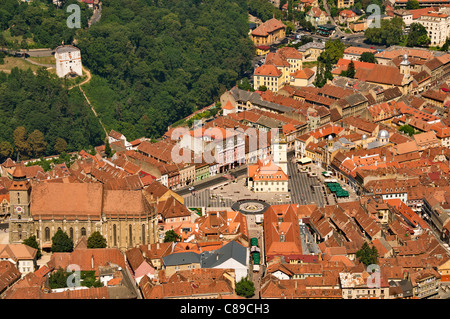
{"x": 304, "y": 160}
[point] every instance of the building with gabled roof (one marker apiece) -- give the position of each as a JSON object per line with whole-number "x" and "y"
{"x": 9, "y": 274}
{"x": 268, "y": 32}
{"x": 282, "y": 235}
{"x": 268, "y": 75}
{"x": 266, "y": 176}
{"x": 79, "y": 209}
{"x": 191, "y": 284}
{"x": 22, "y": 256}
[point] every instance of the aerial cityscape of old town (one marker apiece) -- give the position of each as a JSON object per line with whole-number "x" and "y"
{"x": 224, "y": 149}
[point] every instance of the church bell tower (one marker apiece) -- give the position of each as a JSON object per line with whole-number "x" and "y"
{"x": 20, "y": 221}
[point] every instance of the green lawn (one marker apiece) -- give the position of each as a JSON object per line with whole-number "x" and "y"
{"x": 11, "y": 62}
{"x": 309, "y": 64}
{"x": 44, "y": 60}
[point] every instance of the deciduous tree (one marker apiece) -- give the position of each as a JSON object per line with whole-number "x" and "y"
{"x": 21, "y": 142}
{"x": 367, "y": 255}
{"x": 245, "y": 288}
{"x": 96, "y": 240}
{"x": 32, "y": 242}
{"x": 61, "y": 242}
{"x": 37, "y": 142}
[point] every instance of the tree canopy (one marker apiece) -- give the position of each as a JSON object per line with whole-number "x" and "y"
{"x": 389, "y": 33}
{"x": 245, "y": 288}
{"x": 61, "y": 242}
{"x": 367, "y": 255}
{"x": 407, "y": 129}
{"x": 32, "y": 242}
{"x": 171, "y": 236}
{"x": 96, "y": 240}
{"x": 418, "y": 36}
{"x": 158, "y": 61}
{"x": 40, "y": 21}
{"x": 368, "y": 57}
{"x": 39, "y": 117}
{"x": 412, "y": 4}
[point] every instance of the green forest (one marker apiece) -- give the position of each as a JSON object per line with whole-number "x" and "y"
{"x": 38, "y": 24}
{"x": 158, "y": 61}
{"x": 153, "y": 62}
{"x": 39, "y": 116}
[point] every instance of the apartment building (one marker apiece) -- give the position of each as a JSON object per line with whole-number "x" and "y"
{"x": 437, "y": 25}
{"x": 345, "y": 3}
{"x": 268, "y": 75}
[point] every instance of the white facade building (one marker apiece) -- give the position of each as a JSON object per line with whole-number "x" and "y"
{"x": 68, "y": 61}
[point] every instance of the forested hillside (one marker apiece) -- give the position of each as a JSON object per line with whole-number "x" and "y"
{"x": 38, "y": 116}
{"x": 156, "y": 61}
{"x": 37, "y": 24}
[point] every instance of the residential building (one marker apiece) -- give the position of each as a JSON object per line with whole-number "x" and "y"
{"x": 347, "y": 16}
{"x": 425, "y": 283}
{"x": 354, "y": 53}
{"x": 406, "y": 16}
{"x": 268, "y": 75}
{"x": 363, "y": 285}
{"x": 311, "y": 50}
{"x": 304, "y": 77}
{"x": 9, "y": 274}
{"x": 23, "y": 257}
{"x": 344, "y": 3}
{"x": 268, "y": 32}
{"x": 437, "y": 25}
{"x": 426, "y": 140}
{"x": 316, "y": 16}
{"x": 191, "y": 284}
{"x": 233, "y": 256}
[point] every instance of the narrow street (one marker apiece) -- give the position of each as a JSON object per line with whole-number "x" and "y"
{"x": 256, "y": 230}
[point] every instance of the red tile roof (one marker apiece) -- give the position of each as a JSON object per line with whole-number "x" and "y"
{"x": 268, "y": 70}
{"x": 268, "y": 27}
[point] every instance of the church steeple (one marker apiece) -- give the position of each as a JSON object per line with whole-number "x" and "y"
{"x": 20, "y": 181}
{"x": 20, "y": 221}
{"x": 279, "y": 149}
{"x": 405, "y": 66}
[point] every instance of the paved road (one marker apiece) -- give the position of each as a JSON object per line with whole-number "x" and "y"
{"x": 41, "y": 64}
{"x": 338, "y": 29}
{"x": 256, "y": 231}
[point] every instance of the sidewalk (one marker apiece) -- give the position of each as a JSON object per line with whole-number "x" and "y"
{"x": 45, "y": 258}
{"x": 4, "y": 237}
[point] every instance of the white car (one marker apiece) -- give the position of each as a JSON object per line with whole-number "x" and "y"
{"x": 191, "y": 188}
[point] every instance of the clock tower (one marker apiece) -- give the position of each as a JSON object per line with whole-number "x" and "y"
{"x": 20, "y": 220}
